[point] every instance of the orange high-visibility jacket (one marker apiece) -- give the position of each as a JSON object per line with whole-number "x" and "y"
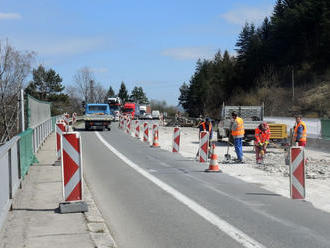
{"x": 302, "y": 136}
{"x": 238, "y": 128}
{"x": 262, "y": 136}
{"x": 203, "y": 124}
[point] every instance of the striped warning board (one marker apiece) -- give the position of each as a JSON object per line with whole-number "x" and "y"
{"x": 145, "y": 132}
{"x": 176, "y": 140}
{"x": 203, "y": 146}
{"x": 297, "y": 173}
{"x": 137, "y": 129}
{"x": 71, "y": 166}
{"x": 128, "y": 126}
{"x": 60, "y": 129}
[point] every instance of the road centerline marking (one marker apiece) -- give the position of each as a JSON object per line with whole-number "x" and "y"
{"x": 212, "y": 218}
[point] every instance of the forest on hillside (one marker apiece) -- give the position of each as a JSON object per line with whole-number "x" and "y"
{"x": 283, "y": 63}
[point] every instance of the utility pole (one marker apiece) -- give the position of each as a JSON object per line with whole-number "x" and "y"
{"x": 22, "y": 111}
{"x": 292, "y": 82}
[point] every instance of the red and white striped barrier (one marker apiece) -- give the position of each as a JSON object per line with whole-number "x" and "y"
{"x": 72, "y": 167}
{"x": 145, "y": 132}
{"x": 66, "y": 121}
{"x": 137, "y": 129}
{"x": 121, "y": 122}
{"x": 176, "y": 140}
{"x": 74, "y": 118}
{"x": 203, "y": 146}
{"x": 60, "y": 129}
{"x": 128, "y": 125}
{"x": 297, "y": 173}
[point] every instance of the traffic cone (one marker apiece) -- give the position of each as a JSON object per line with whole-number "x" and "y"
{"x": 213, "y": 167}
{"x": 155, "y": 138}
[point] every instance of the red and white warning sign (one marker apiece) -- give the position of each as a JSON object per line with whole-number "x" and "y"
{"x": 137, "y": 129}
{"x": 297, "y": 172}
{"x": 60, "y": 129}
{"x": 203, "y": 146}
{"x": 128, "y": 126}
{"x": 145, "y": 132}
{"x": 74, "y": 118}
{"x": 71, "y": 166}
{"x": 176, "y": 140}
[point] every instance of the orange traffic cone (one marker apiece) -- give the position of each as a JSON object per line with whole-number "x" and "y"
{"x": 213, "y": 167}
{"x": 155, "y": 138}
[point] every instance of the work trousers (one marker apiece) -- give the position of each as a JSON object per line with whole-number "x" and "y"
{"x": 238, "y": 148}
{"x": 258, "y": 157}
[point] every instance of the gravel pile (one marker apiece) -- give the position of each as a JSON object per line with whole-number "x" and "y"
{"x": 275, "y": 163}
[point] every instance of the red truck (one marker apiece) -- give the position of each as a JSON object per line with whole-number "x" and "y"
{"x": 129, "y": 109}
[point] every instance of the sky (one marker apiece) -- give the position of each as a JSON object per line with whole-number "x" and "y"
{"x": 148, "y": 43}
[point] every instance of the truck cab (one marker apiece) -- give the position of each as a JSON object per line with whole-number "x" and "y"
{"x": 115, "y": 105}
{"x": 129, "y": 109}
{"x": 97, "y": 116}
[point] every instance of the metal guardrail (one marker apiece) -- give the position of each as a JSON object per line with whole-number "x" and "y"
{"x": 16, "y": 157}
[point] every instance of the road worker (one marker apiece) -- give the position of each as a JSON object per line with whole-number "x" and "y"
{"x": 237, "y": 131}
{"x": 262, "y": 135}
{"x": 300, "y": 132}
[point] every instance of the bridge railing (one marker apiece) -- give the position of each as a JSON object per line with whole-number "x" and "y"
{"x": 16, "y": 157}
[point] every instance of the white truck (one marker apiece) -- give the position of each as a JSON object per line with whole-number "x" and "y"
{"x": 155, "y": 114}
{"x": 251, "y": 115}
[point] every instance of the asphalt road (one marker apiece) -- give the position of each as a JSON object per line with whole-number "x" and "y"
{"x": 159, "y": 199}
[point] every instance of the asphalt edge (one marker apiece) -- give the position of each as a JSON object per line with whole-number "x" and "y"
{"x": 98, "y": 229}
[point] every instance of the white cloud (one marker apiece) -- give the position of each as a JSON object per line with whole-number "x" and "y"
{"x": 10, "y": 16}
{"x": 99, "y": 70}
{"x": 59, "y": 47}
{"x": 247, "y": 14}
{"x": 68, "y": 46}
{"x": 189, "y": 53}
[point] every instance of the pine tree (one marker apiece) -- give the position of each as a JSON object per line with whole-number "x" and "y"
{"x": 139, "y": 96}
{"x": 123, "y": 94}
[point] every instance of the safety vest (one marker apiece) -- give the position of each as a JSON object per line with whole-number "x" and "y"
{"x": 239, "y": 131}
{"x": 304, "y": 133}
{"x": 203, "y": 124}
{"x": 262, "y": 136}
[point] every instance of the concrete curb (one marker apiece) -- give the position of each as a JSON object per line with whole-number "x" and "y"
{"x": 98, "y": 230}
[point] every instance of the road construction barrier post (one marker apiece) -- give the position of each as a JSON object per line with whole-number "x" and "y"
{"x": 74, "y": 118}
{"x": 72, "y": 174}
{"x": 59, "y": 129}
{"x": 145, "y": 132}
{"x": 203, "y": 146}
{"x": 155, "y": 136}
{"x": 213, "y": 167}
{"x": 137, "y": 129}
{"x": 121, "y": 122}
{"x": 297, "y": 173}
{"x": 176, "y": 140}
{"x": 128, "y": 125}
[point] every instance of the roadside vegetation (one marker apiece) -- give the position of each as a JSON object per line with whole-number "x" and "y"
{"x": 283, "y": 63}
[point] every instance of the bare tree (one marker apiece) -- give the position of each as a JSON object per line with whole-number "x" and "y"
{"x": 14, "y": 68}
{"x": 84, "y": 80}
{"x": 100, "y": 93}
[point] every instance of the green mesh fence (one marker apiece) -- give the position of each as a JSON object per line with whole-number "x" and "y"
{"x": 37, "y": 111}
{"x": 27, "y": 157}
{"x": 325, "y": 129}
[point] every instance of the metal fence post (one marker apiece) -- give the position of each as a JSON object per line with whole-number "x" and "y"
{"x": 10, "y": 175}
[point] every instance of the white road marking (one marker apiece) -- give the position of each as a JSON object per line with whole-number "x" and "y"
{"x": 221, "y": 224}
